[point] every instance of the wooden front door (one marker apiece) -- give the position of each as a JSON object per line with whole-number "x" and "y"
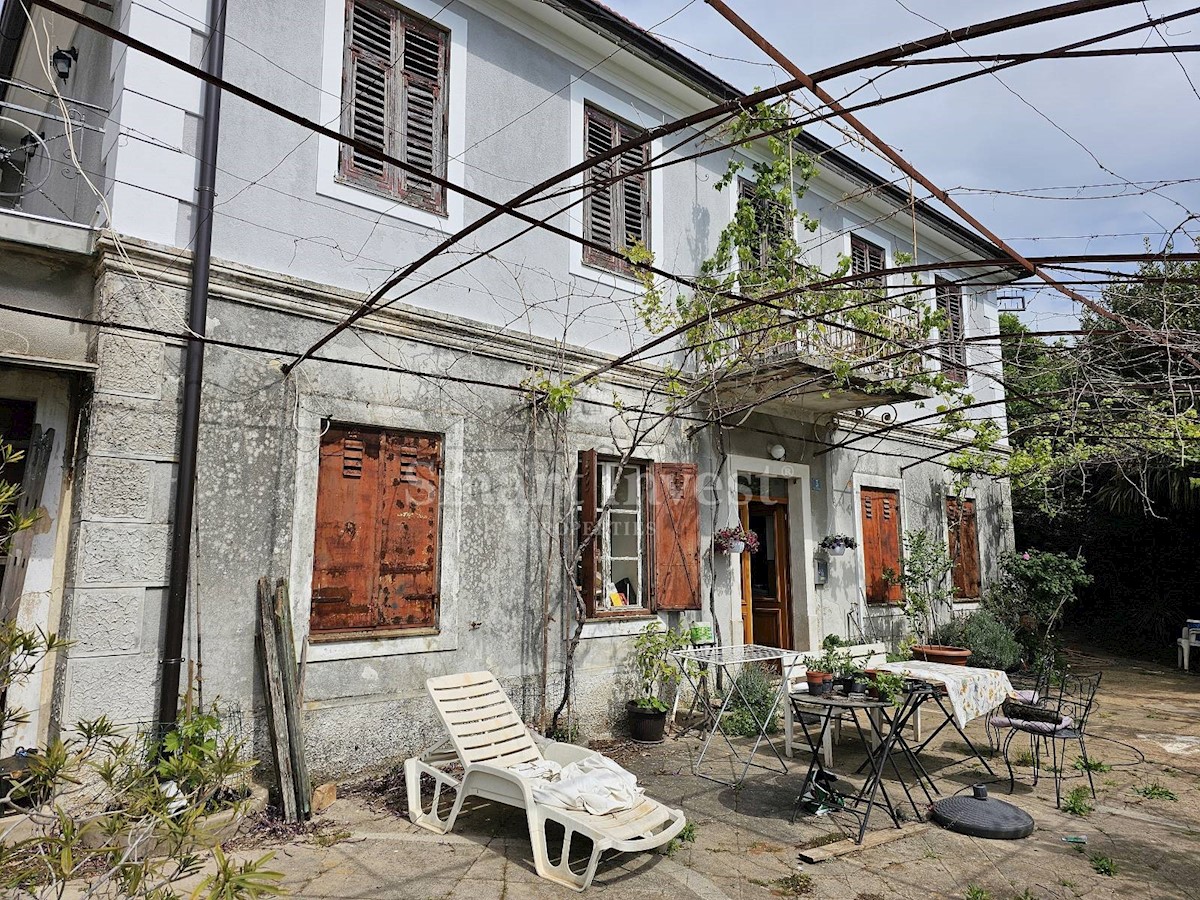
{"x": 766, "y": 598}
{"x": 880, "y": 521}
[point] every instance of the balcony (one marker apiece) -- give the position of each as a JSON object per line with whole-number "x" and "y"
{"x": 828, "y": 366}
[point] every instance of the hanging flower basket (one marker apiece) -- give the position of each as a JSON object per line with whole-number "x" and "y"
{"x": 837, "y": 544}
{"x": 735, "y": 540}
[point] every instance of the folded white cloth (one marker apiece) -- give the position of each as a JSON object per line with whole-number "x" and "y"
{"x": 594, "y": 784}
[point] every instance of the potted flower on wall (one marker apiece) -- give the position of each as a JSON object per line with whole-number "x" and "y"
{"x": 653, "y": 668}
{"x": 837, "y": 544}
{"x": 735, "y": 540}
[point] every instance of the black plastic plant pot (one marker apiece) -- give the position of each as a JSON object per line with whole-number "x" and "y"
{"x": 646, "y": 726}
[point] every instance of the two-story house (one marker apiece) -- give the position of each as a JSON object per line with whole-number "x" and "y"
{"x": 426, "y": 520}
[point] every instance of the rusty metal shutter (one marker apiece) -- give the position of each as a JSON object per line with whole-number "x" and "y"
{"x": 395, "y": 92}
{"x": 675, "y": 539}
{"x": 345, "y": 554}
{"x": 376, "y": 558}
{"x": 410, "y": 523}
{"x": 880, "y": 517}
{"x": 615, "y": 213}
{"x": 964, "y": 547}
{"x": 954, "y": 351}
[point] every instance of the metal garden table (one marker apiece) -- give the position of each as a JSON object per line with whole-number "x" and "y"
{"x": 819, "y": 792}
{"x": 726, "y": 659}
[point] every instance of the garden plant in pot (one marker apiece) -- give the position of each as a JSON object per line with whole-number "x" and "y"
{"x": 735, "y": 540}
{"x": 927, "y": 590}
{"x": 653, "y": 668}
{"x": 837, "y": 544}
{"x": 822, "y": 670}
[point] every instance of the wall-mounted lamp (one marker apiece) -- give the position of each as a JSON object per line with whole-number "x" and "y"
{"x": 777, "y": 451}
{"x": 29, "y": 145}
{"x": 62, "y": 60}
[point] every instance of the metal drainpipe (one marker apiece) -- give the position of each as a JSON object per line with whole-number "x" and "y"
{"x": 185, "y": 484}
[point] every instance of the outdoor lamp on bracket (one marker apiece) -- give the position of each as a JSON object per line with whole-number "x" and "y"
{"x": 29, "y": 145}
{"x": 62, "y": 60}
{"x": 777, "y": 451}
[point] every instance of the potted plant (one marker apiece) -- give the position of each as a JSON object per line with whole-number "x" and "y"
{"x": 887, "y": 686}
{"x": 821, "y": 670}
{"x": 735, "y": 540}
{"x": 837, "y": 544}
{"x": 647, "y": 711}
{"x": 924, "y": 581}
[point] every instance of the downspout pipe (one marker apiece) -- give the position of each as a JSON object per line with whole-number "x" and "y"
{"x": 189, "y": 430}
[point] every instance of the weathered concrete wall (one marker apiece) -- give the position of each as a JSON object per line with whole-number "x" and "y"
{"x": 117, "y": 566}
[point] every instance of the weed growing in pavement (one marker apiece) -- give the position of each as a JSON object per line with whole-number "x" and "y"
{"x": 1104, "y": 865}
{"x": 1076, "y": 802}
{"x": 1155, "y": 791}
{"x": 975, "y": 892}
{"x": 795, "y": 885}
{"x": 1090, "y": 765}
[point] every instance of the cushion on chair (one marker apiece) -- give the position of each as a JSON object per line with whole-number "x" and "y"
{"x": 1027, "y": 696}
{"x": 1032, "y": 727}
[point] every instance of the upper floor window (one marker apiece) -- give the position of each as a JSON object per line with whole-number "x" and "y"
{"x": 616, "y": 206}
{"x": 394, "y": 91}
{"x": 954, "y": 351}
{"x": 771, "y": 218}
{"x": 865, "y": 258}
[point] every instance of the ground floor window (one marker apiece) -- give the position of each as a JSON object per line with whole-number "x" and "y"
{"x": 644, "y": 553}
{"x": 376, "y": 559}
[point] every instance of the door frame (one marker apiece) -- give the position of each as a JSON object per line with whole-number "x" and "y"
{"x": 783, "y": 550}
{"x": 807, "y": 616}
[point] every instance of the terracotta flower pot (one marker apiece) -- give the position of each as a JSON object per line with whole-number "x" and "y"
{"x": 938, "y": 653}
{"x": 819, "y": 683}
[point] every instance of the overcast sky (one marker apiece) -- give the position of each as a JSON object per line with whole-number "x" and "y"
{"x": 1045, "y": 124}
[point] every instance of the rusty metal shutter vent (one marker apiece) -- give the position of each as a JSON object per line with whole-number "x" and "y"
{"x": 352, "y": 458}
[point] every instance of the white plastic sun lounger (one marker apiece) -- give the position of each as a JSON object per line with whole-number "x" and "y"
{"x": 488, "y": 738}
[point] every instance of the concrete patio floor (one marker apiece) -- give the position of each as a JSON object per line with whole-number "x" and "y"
{"x": 745, "y": 848}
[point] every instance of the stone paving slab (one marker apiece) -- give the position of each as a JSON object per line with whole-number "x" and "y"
{"x": 746, "y": 849}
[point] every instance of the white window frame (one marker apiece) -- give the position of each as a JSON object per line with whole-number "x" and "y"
{"x": 608, "y": 471}
{"x": 328, "y": 155}
{"x": 643, "y": 117}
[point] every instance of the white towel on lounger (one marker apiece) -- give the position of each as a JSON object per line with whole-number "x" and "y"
{"x": 594, "y": 784}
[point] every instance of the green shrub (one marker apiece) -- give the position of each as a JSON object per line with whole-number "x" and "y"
{"x": 754, "y": 683}
{"x": 1033, "y": 591}
{"x": 991, "y": 642}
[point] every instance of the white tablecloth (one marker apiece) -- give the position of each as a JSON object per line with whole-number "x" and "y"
{"x": 972, "y": 692}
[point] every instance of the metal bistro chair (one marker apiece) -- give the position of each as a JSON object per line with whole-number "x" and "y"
{"x": 1029, "y": 686}
{"x": 1071, "y": 698}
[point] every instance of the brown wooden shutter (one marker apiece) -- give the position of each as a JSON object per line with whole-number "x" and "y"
{"x": 954, "y": 351}
{"x": 880, "y": 517}
{"x": 866, "y": 257}
{"x": 588, "y": 473}
{"x": 964, "y": 547}
{"x": 423, "y": 110}
{"x": 345, "y": 554}
{"x": 615, "y": 213}
{"x": 675, "y": 540}
{"x": 367, "y": 89}
{"x": 394, "y": 87}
